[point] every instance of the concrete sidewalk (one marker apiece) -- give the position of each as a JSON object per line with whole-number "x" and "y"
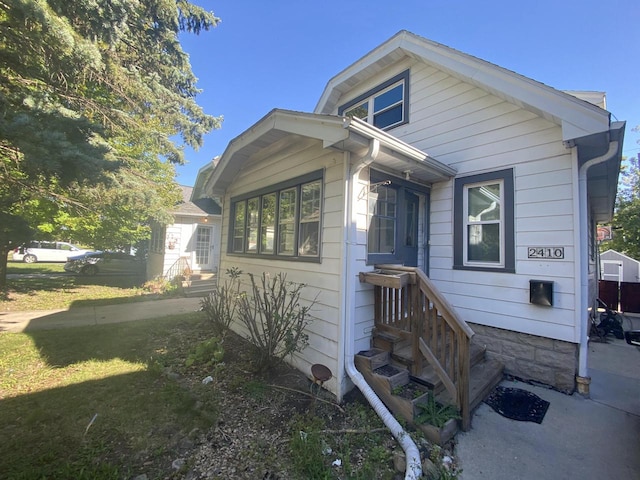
{"x": 125, "y": 312}
{"x": 595, "y": 438}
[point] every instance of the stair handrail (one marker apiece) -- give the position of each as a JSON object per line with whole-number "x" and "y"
{"x": 459, "y": 392}
{"x": 180, "y": 267}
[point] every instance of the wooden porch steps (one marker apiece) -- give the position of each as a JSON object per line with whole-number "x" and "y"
{"x": 399, "y": 393}
{"x": 394, "y": 351}
{"x": 485, "y": 375}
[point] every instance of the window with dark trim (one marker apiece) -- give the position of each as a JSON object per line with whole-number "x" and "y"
{"x": 385, "y": 106}
{"x": 483, "y": 233}
{"x": 281, "y": 221}
{"x": 158, "y": 237}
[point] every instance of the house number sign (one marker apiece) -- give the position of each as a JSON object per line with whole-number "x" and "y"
{"x": 554, "y": 253}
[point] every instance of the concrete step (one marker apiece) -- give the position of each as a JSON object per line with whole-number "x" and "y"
{"x": 200, "y": 284}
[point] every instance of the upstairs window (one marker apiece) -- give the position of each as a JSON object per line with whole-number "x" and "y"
{"x": 282, "y": 221}
{"x": 385, "y": 106}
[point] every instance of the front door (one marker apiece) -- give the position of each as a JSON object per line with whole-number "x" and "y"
{"x": 203, "y": 248}
{"x": 394, "y": 212}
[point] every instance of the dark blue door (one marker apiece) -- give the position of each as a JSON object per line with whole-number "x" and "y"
{"x": 409, "y": 229}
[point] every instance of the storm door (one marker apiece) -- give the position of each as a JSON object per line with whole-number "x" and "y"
{"x": 203, "y": 248}
{"x": 409, "y": 239}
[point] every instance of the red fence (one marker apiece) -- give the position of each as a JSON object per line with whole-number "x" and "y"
{"x": 627, "y": 294}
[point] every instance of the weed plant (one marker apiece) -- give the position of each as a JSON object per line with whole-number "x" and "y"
{"x": 435, "y": 414}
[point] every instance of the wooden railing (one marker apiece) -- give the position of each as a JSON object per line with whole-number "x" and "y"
{"x": 408, "y": 305}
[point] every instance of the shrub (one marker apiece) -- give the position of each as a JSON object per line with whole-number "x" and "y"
{"x": 274, "y": 318}
{"x": 220, "y": 305}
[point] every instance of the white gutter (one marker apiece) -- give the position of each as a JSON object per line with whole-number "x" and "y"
{"x": 412, "y": 454}
{"x": 584, "y": 253}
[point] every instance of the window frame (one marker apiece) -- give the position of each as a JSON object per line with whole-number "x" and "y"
{"x": 507, "y": 222}
{"x": 293, "y": 185}
{"x": 369, "y": 98}
{"x": 158, "y": 238}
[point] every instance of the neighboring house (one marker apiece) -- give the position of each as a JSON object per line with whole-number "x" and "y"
{"x": 192, "y": 240}
{"x": 420, "y": 155}
{"x": 617, "y": 267}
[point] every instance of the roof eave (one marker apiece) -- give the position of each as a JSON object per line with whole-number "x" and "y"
{"x": 337, "y": 132}
{"x": 577, "y": 117}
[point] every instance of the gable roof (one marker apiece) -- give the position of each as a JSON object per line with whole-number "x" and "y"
{"x": 352, "y": 135}
{"x": 197, "y": 207}
{"x": 584, "y": 124}
{"x": 615, "y": 253}
{"x": 576, "y": 116}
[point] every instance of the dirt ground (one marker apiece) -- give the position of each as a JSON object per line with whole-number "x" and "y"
{"x": 259, "y": 417}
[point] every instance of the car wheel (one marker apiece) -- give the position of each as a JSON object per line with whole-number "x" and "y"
{"x": 90, "y": 270}
{"x": 29, "y": 258}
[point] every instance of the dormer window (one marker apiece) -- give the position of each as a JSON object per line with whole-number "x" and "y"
{"x": 385, "y": 106}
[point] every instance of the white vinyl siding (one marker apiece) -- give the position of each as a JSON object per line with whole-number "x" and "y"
{"x": 323, "y": 279}
{"x": 476, "y": 132}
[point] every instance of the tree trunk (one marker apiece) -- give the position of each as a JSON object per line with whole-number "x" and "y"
{"x": 4, "y": 252}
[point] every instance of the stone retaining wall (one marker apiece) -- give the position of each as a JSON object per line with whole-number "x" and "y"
{"x": 552, "y": 362}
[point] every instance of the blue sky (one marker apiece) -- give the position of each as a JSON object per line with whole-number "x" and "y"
{"x": 280, "y": 54}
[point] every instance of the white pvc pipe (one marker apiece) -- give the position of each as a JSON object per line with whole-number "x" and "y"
{"x": 412, "y": 454}
{"x": 584, "y": 254}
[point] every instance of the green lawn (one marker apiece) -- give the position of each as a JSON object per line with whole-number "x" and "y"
{"x": 58, "y": 289}
{"x": 53, "y": 383}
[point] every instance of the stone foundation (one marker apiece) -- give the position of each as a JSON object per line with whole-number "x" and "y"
{"x": 529, "y": 357}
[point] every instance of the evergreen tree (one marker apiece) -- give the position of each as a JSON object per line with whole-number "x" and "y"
{"x": 93, "y": 95}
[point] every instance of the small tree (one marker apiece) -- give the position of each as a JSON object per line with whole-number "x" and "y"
{"x": 274, "y": 318}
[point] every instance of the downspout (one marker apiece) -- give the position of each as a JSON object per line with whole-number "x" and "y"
{"x": 412, "y": 454}
{"x": 583, "y": 373}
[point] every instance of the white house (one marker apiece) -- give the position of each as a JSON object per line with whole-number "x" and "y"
{"x": 193, "y": 239}
{"x": 488, "y": 182}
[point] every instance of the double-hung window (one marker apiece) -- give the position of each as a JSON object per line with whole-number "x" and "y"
{"x": 282, "y": 221}
{"x": 483, "y": 222}
{"x": 385, "y": 106}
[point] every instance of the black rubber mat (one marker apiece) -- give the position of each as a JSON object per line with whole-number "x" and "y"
{"x": 518, "y": 404}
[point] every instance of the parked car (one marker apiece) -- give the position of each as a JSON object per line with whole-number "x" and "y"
{"x": 105, "y": 262}
{"x": 38, "y": 251}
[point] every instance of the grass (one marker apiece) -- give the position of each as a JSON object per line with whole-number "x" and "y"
{"x": 53, "y": 383}
{"x": 58, "y": 289}
{"x": 114, "y": 401}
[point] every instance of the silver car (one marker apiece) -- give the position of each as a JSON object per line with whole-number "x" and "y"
{"x": 112, "y": 263}
{"x": 39, "y": 251}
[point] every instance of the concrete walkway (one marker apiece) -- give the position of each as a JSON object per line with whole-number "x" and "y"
{"x": 124, "y": 312}
{"x": 595, "y": 438}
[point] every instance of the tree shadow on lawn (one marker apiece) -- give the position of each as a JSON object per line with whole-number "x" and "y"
{"x": 60, "y": 379}
{"x": 137, "y": 421}
{"x": 152, "y": 341}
